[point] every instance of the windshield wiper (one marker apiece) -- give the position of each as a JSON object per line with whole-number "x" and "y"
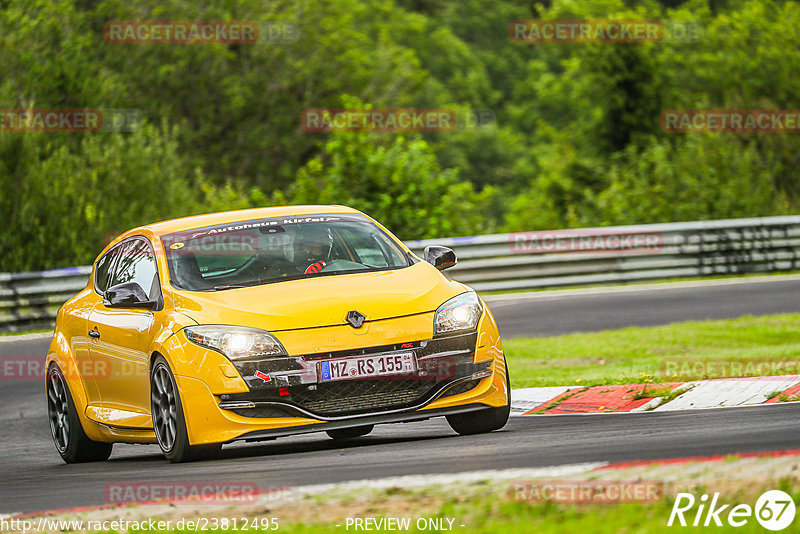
{"x": 232, "y": 286}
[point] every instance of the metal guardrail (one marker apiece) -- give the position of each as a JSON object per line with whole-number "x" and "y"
{"x": 534, "y": 260}
{"x": 30, "y": 300}
{"x": 526, "y": 260}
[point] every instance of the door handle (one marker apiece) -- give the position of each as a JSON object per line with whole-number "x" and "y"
{"x": 94, "y": 333}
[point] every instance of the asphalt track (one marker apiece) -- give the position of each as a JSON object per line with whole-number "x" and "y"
{"x": 32, "y": 476}
{"x": 560, "y": 312}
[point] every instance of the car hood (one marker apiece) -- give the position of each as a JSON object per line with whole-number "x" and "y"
{"x": 322, "y": 301}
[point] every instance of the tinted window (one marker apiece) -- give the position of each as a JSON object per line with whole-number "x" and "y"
{"x": 137, "y": 263}
{"x": 103, "y": 270}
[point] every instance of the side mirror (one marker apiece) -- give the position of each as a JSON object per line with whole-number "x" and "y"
{"x": 440, "y": 257}
{"x": 128, "y": 295}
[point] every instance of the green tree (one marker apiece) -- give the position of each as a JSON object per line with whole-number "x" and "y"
{"x": 699, "y": 176}
{"x": 395, "y": 179}
{"x": 75, "y": 200}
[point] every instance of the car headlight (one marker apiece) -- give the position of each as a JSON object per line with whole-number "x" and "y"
{"x": 459, "y": 313}
{"x": 236, "y": 342}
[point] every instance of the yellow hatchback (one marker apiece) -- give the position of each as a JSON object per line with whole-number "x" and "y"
{"x": 256, "y": 324}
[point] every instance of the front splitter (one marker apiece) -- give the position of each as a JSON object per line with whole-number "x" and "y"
{"x": 379, "y": 419}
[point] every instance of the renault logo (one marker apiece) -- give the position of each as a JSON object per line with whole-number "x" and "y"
{"x": 355, "y": 319}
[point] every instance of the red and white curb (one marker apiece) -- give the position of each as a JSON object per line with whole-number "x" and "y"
{"x": 562, "y": 400}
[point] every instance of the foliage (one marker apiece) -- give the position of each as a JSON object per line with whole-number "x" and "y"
{"x": 397, "y": 181}
{"x": 79, "y": 199}
{"x": 575, "y": 140}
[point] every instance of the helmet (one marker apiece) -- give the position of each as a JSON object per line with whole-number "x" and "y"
{"x": 313, "y": 243}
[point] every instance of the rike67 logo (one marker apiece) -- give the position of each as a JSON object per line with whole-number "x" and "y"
{"x": 774, "y": 510}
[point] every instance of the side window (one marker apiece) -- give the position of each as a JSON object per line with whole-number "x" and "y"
{"x": 102, "y": 274}
{"x": 137, "y": 263}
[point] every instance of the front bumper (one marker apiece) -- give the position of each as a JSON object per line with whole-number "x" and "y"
{"x": 455, "y": 374}
{"x": 445, "y": 366}
{"x": 208, "y": 423}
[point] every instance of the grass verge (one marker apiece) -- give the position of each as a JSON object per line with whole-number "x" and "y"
{"x": 693, "y": 350}
{"x": 490, "y": 512}
{"x": 26, "y": 332}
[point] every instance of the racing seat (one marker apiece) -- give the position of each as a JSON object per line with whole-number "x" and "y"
{"x": 187, "y": 273}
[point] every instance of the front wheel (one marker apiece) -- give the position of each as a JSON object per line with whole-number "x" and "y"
{"x": 71, "y": 441}
{"x": 168, "y": 420}
{"x": 482, "y": 421}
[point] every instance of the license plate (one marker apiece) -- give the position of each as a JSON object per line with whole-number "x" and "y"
{"x": 367, "y": 366}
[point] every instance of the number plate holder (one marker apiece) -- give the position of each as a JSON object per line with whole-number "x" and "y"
{"x": 367, "y": 366}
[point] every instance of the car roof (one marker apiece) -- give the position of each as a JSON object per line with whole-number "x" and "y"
{"x": 211, "y": 219}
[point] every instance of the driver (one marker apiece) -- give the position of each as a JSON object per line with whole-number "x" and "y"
{"x": 315, "y": 245}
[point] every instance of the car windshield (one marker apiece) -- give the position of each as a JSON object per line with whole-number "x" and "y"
{"x": 248, "y": 253}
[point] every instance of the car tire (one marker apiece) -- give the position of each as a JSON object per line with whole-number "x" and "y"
{"x": 482, "y": 421}
{"x": 350, "y": 433}
{"x": 72, "y": 443}
{"x": 169, "y": 422}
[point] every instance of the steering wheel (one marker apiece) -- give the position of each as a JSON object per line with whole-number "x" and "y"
{"x": 316, "y": 267}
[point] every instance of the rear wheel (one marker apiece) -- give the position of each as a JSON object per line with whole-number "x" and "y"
{"x": 482, "y": 421}
{"x": 71, "y": 441}
{"x": 168, "y": 420}
{"x": 350, "y": 433}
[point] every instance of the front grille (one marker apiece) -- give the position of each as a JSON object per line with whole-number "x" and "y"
{"x": 358, "y": 396}
{"x": 264, "y": 412}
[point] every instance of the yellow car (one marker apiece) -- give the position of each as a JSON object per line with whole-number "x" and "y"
{"x": 256, "y": 324}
